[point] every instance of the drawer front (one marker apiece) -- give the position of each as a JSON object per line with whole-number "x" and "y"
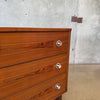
{"x": 17, "y": 48}
{"x": 19, "y": 77}
{"x": 46, "y": 90}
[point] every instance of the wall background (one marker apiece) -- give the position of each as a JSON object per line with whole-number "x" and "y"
{"x": 85, "y": 39}
{"x": 88, "y": 33}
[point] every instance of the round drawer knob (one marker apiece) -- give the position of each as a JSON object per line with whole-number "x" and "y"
{"x": 57, "y": 86}
{"x": 59, "y": 43}
{"x": 58, "y": 66}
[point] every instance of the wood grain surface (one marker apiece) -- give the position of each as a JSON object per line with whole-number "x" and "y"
{"x": 28, "y": 58}
{"x": 17, "y": 78}
{"x": 43, "y": 91}
{"x": 16, "y": 48}
{"x": 23, "y": 29}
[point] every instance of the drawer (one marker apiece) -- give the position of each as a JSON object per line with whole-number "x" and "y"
{"x": 22, "y": 47}
{"x": 19, "y": 77}
{"x": 46, "y": 90}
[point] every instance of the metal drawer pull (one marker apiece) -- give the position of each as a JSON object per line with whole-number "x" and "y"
{"x": 57, "y": 86}
{"x": 59, "y": 43}
{"x": 58, "y": 66}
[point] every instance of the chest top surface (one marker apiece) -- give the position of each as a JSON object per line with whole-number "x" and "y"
{"x": 21, "y": 29}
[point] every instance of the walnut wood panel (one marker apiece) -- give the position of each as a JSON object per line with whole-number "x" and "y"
{"x": 16, "y": 48}
{"x": 28, "y": 58}
{"x": 19, "y": 77}
{"x": 44, "y": 91}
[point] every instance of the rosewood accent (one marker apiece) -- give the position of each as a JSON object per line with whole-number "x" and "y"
{"x": 33, "y": 61}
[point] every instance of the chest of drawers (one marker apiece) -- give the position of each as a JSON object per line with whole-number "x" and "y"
{"x": 33, "y": 63}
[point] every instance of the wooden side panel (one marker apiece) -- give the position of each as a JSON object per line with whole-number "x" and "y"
{"x": 20, "y": 77}
{"x": 68, "y": 53}
{"x": 17, "y": 48}
{"x": 43, "y": 91}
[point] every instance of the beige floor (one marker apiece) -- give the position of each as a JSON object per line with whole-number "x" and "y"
{"x": 84, "y": 83}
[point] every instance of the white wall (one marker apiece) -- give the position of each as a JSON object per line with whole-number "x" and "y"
{"x": 88, "y": 33}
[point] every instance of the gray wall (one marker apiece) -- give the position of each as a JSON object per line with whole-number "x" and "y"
{"x": 57, "y": 13}
{"x": 88, "y": 33}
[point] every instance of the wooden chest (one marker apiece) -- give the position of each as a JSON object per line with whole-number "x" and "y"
{"x": 33, "y": 63}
